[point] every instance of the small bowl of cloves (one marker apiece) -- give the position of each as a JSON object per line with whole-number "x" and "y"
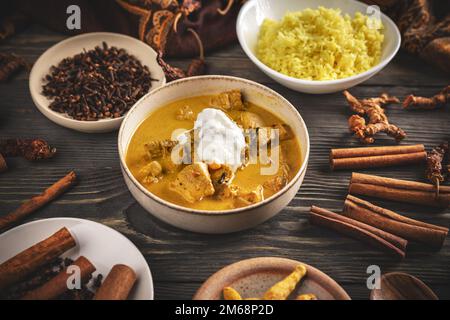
{"x": 89, "y": 82}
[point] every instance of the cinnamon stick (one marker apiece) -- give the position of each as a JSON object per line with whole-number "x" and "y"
{"x": 399, "y": 190}
{"x": 38, "y": 201}
{"x": 118, "y": 284}
{"x": 372, "y": 157}
{"x": 394, "y": 223}
{"x": 18, "y": 267}
{"x": 373, "y": 236}
{"x": 58, "y": 284}
{"x": 3, "y": 165}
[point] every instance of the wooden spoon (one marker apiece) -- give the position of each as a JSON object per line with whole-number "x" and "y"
{"x": 402, "y": 286}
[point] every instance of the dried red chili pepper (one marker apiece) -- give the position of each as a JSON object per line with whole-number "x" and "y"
{"x": 30, "y": 149}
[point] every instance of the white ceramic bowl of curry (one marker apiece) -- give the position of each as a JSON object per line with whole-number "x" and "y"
{"x": 153, "y": 117}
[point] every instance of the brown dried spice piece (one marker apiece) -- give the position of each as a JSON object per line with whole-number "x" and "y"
{"x": 412, "y": 102}
{"x": 11, "y": 24}
{"x": 10, "y": 64}
{"x": 377, "y": 118}
{"x": 30, "y": 149}
{"x": 197, "y": 66}
{"x": 435, "y": 160}
{"x": 424, "y": 25}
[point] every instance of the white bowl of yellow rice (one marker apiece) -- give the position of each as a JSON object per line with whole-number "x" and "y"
{"x": 317, "y": 46}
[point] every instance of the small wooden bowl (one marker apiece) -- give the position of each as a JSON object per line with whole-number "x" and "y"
{"x": 402, "y": 286}
{"x": 253, "y": 277}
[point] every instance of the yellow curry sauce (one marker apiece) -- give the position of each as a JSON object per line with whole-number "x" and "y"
{"x": 161, "y": 124}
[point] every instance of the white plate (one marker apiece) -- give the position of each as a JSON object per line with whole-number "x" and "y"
{"x": 254, "y": 12}
{"x": 73, "y": 46}
{"x": 103, "y": 246}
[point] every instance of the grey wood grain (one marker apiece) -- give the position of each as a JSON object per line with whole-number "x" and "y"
{"x": 180, "y": 261}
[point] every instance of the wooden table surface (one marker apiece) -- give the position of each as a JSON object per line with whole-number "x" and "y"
{"x": 180, "y": 261}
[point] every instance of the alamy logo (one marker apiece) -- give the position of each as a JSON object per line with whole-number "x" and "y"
{"x": 263, "y": 146}
{"x": 73, "y": 22}
{"x": 373, "y": 281}
{"x": 374, "y": 17}
{"x": 74, "y": 280}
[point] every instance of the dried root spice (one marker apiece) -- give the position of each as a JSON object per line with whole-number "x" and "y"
{"x": 377, "y": 122}
{"x": 30, "y": 149}
{"x": 97, "y": 84}
{"x": 9, "y": 64}
{"x": 422, "y": 103}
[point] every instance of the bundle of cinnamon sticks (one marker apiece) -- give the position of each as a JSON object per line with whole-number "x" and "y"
{"x": 373, "y": 157}
{"x": 378, "y": 238}
{"x": 379, "y": 227}
{"x": 399, "y": 190}
{"x": 29, "y": 260}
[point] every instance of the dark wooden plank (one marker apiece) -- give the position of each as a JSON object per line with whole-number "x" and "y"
{"x": 181, "y": 261}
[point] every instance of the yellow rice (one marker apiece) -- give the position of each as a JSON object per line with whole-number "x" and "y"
{"x": 320, "y": 44}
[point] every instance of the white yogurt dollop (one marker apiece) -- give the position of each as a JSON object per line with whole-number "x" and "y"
{"x": 218, "y": 139}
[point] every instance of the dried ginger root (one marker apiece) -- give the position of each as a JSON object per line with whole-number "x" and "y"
{"x": 282, "y": 289}
{"x": 422, "y": 103}
{"x": 306, "y": 296}
{"x": 377, "y": 119}
{"x": 230, "y": 294}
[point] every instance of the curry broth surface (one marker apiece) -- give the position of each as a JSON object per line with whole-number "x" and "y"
{"x": 160, "y": 125}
